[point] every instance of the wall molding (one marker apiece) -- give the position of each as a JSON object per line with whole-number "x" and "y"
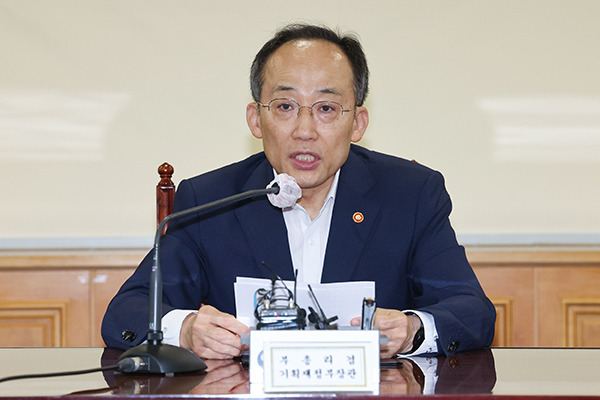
{"x": 47, "y": 318}
{"x": 504, "y": 318}
{"x": 467, "y": 240}
{"x": 579, "y": 315}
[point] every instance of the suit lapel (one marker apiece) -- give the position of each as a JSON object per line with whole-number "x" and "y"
{"x": 354, "y": 214}
{"x": 264, "y": 227}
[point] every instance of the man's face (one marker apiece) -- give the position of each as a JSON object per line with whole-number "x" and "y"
{"x": 311, "y": 151}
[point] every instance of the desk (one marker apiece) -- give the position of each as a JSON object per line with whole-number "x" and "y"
{"x": 486, "y": 374}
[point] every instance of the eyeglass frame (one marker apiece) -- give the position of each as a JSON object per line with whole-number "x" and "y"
{"x": 300, "y": 107}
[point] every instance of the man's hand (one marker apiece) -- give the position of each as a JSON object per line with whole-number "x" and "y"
{"x": 213, "y": 334}
{"x": 399, "y": 328}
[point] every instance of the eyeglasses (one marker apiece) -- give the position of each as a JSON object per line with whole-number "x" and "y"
{"x": 326, "y": 112}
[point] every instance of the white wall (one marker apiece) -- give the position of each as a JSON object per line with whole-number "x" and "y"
{"x": 503, "y": 97}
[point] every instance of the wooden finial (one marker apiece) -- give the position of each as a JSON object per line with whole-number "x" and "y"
{"x": 165, "y": 170}
{"x": 165, "y": 192}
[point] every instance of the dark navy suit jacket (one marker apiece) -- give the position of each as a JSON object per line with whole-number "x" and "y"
{"x": 405, "y": 244}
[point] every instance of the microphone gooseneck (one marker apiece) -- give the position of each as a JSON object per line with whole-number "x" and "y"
{"x": 155, "y": 356}
{"x": 155, "y": 331}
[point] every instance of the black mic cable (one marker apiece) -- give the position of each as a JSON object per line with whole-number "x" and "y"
{"x": 277, "y": 278}
{"x": 130, "y": 364}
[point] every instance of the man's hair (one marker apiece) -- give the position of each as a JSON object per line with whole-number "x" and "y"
{"x": 348, "y": 43}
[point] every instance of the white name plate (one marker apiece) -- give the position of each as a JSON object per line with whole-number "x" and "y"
{"x": 315, "y": 361}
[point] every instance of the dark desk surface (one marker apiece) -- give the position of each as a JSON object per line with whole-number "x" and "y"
{"x": 565, "y": 373}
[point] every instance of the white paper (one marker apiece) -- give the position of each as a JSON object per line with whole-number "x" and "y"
{"x": 343, "y": 299}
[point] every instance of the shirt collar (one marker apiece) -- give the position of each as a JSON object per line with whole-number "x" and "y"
{"x": 333, "y": 188}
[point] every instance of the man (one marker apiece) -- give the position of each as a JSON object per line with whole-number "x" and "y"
{"x": 362, "y": 216}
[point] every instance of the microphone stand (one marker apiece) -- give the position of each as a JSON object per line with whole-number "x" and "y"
{"x": 154, "y": 356}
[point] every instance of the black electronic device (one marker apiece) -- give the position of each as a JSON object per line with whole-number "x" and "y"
{"x": 276, "y": 309}
{"x": 318, "y": 318}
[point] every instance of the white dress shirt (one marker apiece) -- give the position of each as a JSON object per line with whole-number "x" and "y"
{"x": 308, "y": 238}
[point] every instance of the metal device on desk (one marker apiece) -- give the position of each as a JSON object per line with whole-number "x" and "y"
{"x": 276, "y": 308}
{"x": 321, "y": 358}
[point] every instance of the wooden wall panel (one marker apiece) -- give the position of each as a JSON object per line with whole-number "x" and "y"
{"x": 84, "y": 281}
{"x": 33, "y": 324}
{"x": 509, "y": 288}
{"x": 581, "y": 318}
{"x": 543, "y": 297}
{"x": 68, "y": 287}
{"x": 569, "y": 299}
{"x": 504, "y": 322}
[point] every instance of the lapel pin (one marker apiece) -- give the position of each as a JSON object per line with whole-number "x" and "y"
{"x": 358, "y": 217}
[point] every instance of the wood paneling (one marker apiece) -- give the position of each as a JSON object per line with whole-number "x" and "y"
{"x": 68, "y": 287}
{"x": 554, "y": 294}
{"x": 504, "y": 322}
{"x": 543, "y": 296}
{"x": 510, "y": 289}
{"x": 567, "y": 297}
{"x": 33, "y": 324}
{"x": 78, "y": 283}
{"x": 581, "y": 318}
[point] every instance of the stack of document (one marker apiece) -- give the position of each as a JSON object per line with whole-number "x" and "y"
{"x": 343, "y": 299}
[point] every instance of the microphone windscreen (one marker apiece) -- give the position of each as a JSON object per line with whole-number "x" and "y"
{"x": 289, "y": 191}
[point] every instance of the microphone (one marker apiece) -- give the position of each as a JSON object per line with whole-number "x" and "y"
{"x": 289, "y": 191}
{"x": 155, "y": 357}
